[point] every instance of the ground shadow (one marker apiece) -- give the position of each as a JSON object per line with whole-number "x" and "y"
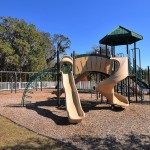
{"x": 52, "y": 102}
{"x": 86, "y": 142}
{"x": 59, "y": 120}
{"x": 92, "y": 105}
{"x": 40, "y": 144}
{"x": 88, "y": 106}
{"x": 129, "y": 142}
{"x": 146, "y": 102}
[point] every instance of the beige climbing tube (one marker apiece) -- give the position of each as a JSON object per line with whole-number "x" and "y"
{"x": 106, "y": 87}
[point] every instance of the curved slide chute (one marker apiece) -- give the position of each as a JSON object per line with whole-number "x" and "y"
{"x": 73, "y": 105}
{"x": 106, "y": 87}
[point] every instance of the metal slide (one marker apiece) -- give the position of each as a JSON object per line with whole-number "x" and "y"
{"x": 106, "y": 87}
{"x": 73, "y": 105}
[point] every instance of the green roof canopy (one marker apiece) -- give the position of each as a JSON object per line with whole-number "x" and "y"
{"x": 120, "y": 36}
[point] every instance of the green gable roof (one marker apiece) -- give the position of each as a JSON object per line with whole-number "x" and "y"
{"x": 120, "y": 36}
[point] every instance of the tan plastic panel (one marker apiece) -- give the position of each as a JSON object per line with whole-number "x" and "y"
{"x": 98, "y": 63}
{"x": 106, "y": 87}
{"x": 92, "y": 63}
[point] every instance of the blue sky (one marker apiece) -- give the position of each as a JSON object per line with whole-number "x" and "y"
{"x": 85, "y": 22}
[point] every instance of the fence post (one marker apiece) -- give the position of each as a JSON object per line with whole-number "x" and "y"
{"x": 11, "y": 86}
{"x": 8, "y": 85}
{"x": 19, "y": 85}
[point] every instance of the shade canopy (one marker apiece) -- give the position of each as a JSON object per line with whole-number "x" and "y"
{"x": 120, "y": 36}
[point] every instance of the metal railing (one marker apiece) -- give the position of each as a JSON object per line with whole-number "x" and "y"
{"x": 6, "y": 86}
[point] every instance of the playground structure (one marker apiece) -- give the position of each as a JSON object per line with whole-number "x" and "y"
{"x": 106, "y": 87}
{"x": 99, "y": 64}
{"x": 124, "y": 76}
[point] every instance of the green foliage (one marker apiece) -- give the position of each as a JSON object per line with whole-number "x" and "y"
{"x": 24, "y": 48}
{"x": 145, "y": 74}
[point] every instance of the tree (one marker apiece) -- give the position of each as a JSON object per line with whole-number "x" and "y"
{"x": 22, "y": 46}
{"x": 145, "y": 75}
{"x": 99, "y": 49}
{"x": 58, "y": 42}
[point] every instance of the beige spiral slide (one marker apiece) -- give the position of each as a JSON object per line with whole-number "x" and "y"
{"x": 106, "y": 87}
{"x": 73, "y": 105}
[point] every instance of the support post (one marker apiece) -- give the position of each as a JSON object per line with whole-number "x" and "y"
{"x": 11, "y": 85}
{"x": 129, "y": 73}
{"x": 41, "y": 82}
{"x": 58, "y": 68}
{"x": 121, "y": 89}
{"x": 96, "y": 83}
{"x": 20, "y": 77}
{"x": 113, "y": 51}
{"x": 135, "y": 71}
{"x": 140, "y": 71}
{"x": 106, "y": 51}
{"x": 25, "y": 78}
{"x": 100, "y": 51}
{"x": 15, "y": 82}
{"x": 1, "y": 76}
{"x": 74, "y": 63}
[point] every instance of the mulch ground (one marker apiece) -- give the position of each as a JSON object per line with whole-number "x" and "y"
{"x": 102, "y": 128}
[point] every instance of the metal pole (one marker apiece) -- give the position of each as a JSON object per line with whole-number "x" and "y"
{"x": 113, "y": 51}
{"x": 140, "y": 70}
{"x": 135, "y": 69}
{"x": 15, "y": 82}
{"x": 36, "y": 84}
{"x": 20, "y": 76}
{"x": 58, "y": 68}
{"x": 25, "y": 78}
{"x": 100, "y": 51}
{"x": 96, "y": 83}
{"x": 101, "y": 94}
{"x": 11, "y": 84}
{"x": 126, "y": 83}
{"x": 106, "y": 51}
{"x": 6, "y": 77}
{"x": 74, "y": 70}
{"x": 1, "y": 77}
{"x": 129, "y": 73}
{"x": 41, "y": 82}
{"x": 121, "y": 87}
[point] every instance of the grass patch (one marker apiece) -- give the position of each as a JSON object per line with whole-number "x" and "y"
{"x": 14, "y": 137}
